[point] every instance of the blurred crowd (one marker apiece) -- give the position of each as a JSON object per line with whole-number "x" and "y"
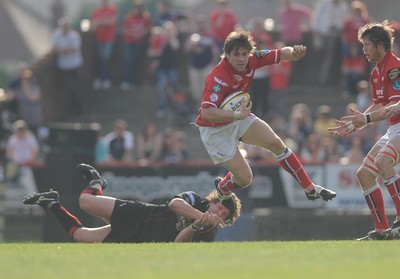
{"x": 170, "y": 33}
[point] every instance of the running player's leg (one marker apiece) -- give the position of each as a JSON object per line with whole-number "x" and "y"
{"x": 260, "y": 134}
{"x": 239, "y": 175}
{"x": 385, "y": 160}
{"x": 366, "y": 176}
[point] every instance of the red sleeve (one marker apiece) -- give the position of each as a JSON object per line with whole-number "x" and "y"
{"x": 267, "y": 57}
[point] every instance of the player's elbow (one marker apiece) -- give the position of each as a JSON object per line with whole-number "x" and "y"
{"x": 174, "y": 204}
{"x": 206, "y": 114}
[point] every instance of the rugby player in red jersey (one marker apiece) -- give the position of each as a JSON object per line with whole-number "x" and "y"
{"x": 377, "y": 40}
{"x": 222, "y": 131}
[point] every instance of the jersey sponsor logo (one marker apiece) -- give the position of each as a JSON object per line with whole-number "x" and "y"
{"x": 394, "y": 73}
{"x": 216, "y": 88}
{"x": 220, "y": 81}
{"x": 261, "y": 53}
{"x": 237, "y": 77}
{"x": 396, "y": 84}
{"x": 213, "y": 97}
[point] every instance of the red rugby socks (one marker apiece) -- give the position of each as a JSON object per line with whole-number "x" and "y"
{"x": 290, "y": 163}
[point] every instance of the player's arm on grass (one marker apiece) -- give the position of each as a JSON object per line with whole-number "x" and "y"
{"x": 181, "y": 207}
{"x": 206, "y": 220}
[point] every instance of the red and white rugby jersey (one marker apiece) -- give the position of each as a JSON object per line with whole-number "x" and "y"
{"x": 223, "y": 80}
{"x": 385, "y": 81}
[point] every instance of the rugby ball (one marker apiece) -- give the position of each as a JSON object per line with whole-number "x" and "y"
{"x": 233, "y": 101}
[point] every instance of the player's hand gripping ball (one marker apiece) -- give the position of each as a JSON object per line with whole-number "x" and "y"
{"x": 233, "y": 101}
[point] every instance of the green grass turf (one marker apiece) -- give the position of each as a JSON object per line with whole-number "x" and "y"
{"x": 292, "y": 259}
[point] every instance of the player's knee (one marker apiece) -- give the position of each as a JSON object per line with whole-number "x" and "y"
{"x": 383, "y": 162}
{"x": 244, "y": 180}
{"x": 361, "y": 172}
{"x": 85, "y": 201}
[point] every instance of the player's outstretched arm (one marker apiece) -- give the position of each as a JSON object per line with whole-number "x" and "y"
{"x": 293, "y": 53}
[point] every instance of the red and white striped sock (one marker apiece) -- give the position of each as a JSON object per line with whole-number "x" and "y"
{"x": 375, "y": 202}
{"x": 393, "y": 186}
{"x": 290, "y": 163}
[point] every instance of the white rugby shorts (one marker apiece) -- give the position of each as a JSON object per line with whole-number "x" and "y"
{"x": 221, "y": 142}
{"x": 392, "y": 131}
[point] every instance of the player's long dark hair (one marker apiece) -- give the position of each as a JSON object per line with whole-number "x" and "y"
{"x": 378, "y": 33}
{"x": 237, "y": 39}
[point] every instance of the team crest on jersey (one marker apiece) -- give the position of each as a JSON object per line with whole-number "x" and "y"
{"x": 394, "y": 73}
{"x": 220, "y": 81}
{"x": 213, "y": 97}
{"x": 237, "y": 77}
{"x": 261, "y": 53}
{"x": 217, "y": 88}
{"x": 396, "y": 84}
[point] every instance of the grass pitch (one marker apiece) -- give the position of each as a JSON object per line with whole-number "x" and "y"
{"x": 292, "y": 259}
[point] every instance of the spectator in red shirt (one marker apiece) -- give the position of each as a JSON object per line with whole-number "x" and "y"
{"x": 223, "y": 21}
{"x": 292, "y": 18}
{"x": 104, "y": 24}
{"x": 136, "y": 28}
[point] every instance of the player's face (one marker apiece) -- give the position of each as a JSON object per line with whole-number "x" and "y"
{"x": 371, "y": 52}
{"x": 239, "y": 58}
{"x": 220, "y": 210}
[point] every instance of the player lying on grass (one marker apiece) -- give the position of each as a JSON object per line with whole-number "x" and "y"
{"x": 185, "y": 218}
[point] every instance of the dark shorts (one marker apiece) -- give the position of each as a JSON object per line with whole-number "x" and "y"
{"x": 135, "y": 221}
